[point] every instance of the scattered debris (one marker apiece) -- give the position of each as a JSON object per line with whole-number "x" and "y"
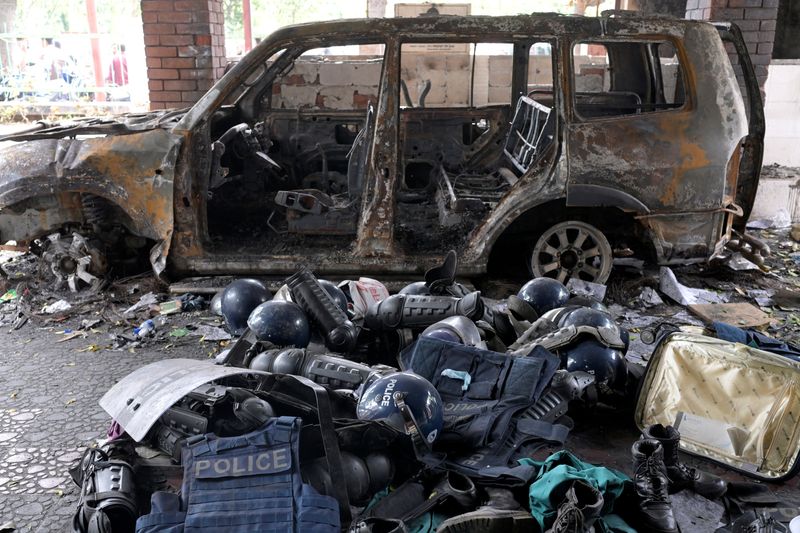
{"x": 89, "y": 323}
{"x": 649, "y": 297}
{"x": 781, "y": 219}
{"x": 211, "y": 333}
{"x": 57, "y": 307}
{"x": 742, "y": 315}
{"x": 738, "y": 262}
{"x": 683, "y": 295}
{"x": 179, "y": 332}
{"x": 578, "y": 287}
{"x": 170, "y": 307}
{"x": 144, "y": 302}
{"x": 146, "y": 329}
{"x": 11, "y": 294}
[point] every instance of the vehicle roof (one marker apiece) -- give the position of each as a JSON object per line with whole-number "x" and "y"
{"x": 432, "y": 26}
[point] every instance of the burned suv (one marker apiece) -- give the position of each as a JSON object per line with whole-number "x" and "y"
{"x": 543, "y": 142}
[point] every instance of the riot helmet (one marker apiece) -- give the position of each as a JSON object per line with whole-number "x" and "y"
{"x": 586, "y": 301}
{"x": 586, "y": 316}
{"x": 405, "y": 401}
{"x": 544, "y": 294}
{"x": 458, "y": 329}
{"x": 606, "y": 364}
{"x": 238, "y": 301}
{"x": 281, "y": 323}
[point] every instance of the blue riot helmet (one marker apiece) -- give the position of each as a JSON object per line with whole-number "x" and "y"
{"x": 336, "y": 294}
{"x": 458, "y": 329}
{"x": 586, "y": 316}
{"x": 585, "y": 301}
{"x": 405, "y": 401}
{"x": 281, "y": 323}
{"x": 238, "y": 301}
{"x": 418, "y": 288}
{"x": 605, "y": 363}
{"x": 544, "y": 294}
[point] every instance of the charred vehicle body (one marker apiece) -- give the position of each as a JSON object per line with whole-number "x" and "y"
{"x": 542, "y": 141}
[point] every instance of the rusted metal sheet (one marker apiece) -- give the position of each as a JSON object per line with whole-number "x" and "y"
{"x": 134, "y": 172}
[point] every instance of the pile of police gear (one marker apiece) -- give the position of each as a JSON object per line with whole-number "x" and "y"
{"x": 343, "y": 407}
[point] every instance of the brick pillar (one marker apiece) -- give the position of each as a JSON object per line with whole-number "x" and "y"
{"x": 757, "y": 20}
{"x": 184, "y": 48}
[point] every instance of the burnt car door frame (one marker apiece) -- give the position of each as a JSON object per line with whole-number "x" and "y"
{"x": 753, "y": 146}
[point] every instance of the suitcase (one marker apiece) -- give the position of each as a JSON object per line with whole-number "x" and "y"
{"x": 733, "y": 404}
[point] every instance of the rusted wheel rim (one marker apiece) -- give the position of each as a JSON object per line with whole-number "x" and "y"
{"x": 572, "y": 249}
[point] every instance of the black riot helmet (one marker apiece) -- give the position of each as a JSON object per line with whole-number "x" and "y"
{"x": 544, "y": 294}
{"x": 606, "y": 364}
{"x": 281, "y": 323}
{"x": 585, "y": 301}
{"x": 238, "y": 301}
{"x": 586, "y": 316}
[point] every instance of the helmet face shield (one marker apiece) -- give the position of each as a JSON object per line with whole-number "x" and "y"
{"x": 458, "y": 329}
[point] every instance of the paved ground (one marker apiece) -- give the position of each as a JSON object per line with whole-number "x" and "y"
{"x": 49, "y": 414}
{"x": 49, "y": 392}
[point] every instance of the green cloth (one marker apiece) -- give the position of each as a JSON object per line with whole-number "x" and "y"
{"x": 554, "y": 478}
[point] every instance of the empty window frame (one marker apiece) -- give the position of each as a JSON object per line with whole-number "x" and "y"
{"x": 614, "y": 78}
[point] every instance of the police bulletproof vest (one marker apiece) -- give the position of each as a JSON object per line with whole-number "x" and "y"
{"x": 485, "y": 395}
{"x": 247, "y": 483}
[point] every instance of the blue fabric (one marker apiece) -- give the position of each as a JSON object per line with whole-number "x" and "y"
{"x": 555, "y": 475}
{"x": 754, "y": 339}
{"x": 245, "y": 483}
{"x": 165, "y": 515}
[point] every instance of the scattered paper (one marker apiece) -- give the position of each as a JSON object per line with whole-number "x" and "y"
{"x": 57, "y": 307}
{"x": 211, "y": 333}
{"x": 738, "y": 262}
{"x": 649, "y": 297}
{"x": 684, "y": 295}
{"x": 145, "y": 301}
{"x": 170, "y": 307}
{"x": 578, "y": 287}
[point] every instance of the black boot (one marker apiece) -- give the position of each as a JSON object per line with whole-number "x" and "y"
{"x": 579, "y": 510}
{"x": 680, "y": 475}
{"x": 501, "y": 514}
{"x": 651, "y": 484}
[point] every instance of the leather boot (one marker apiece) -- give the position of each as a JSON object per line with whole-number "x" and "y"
{"x": 501, "y": 514}
{"x": 579, "y": 510}
{"x": 650, "y": 481}
{"x": 680, "y": 475}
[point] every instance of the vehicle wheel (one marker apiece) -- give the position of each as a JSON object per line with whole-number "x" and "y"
{"x": 572, "y": 249}
{"x": 74, "y": 260}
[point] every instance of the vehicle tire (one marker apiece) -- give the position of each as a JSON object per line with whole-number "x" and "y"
{"x": 572, "y": 249}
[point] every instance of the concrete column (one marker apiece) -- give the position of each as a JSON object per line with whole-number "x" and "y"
{"x": 184, "y": 49}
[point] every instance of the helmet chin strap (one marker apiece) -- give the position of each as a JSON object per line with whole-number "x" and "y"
{"x": 410, "y": 424}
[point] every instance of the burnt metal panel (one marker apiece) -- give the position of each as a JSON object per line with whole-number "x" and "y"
{"x": 133, "y": 171}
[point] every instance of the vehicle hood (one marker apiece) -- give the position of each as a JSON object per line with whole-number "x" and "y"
{"x": 116, "y": 125}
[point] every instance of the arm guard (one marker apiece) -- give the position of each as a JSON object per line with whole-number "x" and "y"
{"x": 406, "y": 311}
{"x": 340, "y": 334}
